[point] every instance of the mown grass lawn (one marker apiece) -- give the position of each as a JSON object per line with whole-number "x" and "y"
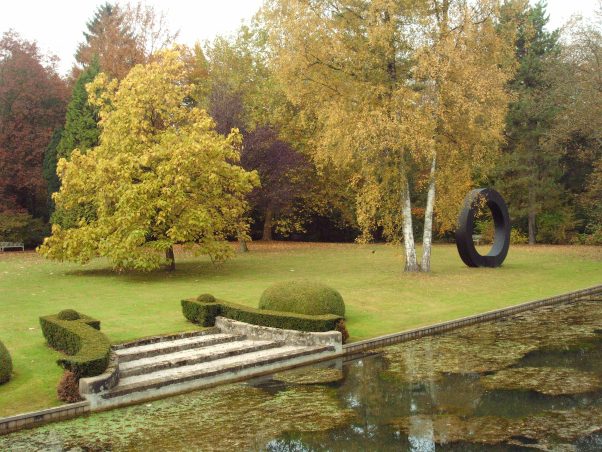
{"x": 380, "y": 299}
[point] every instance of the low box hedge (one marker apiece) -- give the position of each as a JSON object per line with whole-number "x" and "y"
{"x": 87, "y": 348}
{"x": 205, "y": 314}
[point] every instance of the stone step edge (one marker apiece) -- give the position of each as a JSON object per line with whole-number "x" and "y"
{"x": 164, "y": 338}
{"x": 126, "y": 357}
{"x": 158, "y": 383}
{"x": 187, "y": 361}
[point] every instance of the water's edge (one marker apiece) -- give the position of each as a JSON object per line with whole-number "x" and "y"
{"x": 35, "y": 419}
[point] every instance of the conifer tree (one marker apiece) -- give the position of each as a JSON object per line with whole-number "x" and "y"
{"x": 81, "y": 128}
{"x": 50, "y": 159}
{"x": 528, "y": 174}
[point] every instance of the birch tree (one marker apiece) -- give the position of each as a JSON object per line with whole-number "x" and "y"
{"x": 409, "y": 93}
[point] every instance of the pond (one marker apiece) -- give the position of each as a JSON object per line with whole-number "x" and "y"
{"x": 532, "y": 381}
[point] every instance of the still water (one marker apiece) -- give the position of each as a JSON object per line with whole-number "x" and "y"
{"x": 530, "y": 382}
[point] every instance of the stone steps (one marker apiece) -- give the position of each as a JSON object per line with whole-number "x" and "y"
{"x": 205, "y": 371}
{"x": 166, "y": 347}
{"x": 160, "y": 366}
{"x": 189, "y": 357}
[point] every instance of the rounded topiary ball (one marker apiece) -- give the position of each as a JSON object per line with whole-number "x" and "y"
{"x": 69, "y": 314}
{"x": 6, "y": 364}
{"x": 302, "y": 297}
{"x": 206, "y": 298}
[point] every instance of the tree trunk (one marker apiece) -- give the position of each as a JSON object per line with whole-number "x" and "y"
{"x": 171, "y": 261}
{"x": 242, "y": 246}
{"x": 408, "y": 234}
{"x": 531, "y": 216}
{"x": 267, "y": 224}
{"x": 427, "y": 238}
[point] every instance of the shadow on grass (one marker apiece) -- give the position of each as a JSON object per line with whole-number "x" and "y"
{"x": 187, "y": 270}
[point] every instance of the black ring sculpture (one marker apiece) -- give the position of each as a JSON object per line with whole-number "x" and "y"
{"x": 501, "y": 221}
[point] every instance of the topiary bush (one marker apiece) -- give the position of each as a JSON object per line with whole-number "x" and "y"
{"x": 69, "y": 314}
{"x": 87, "y": 347}
{"x": 303, "y": 297}
{"x": 6, "y": 364}
{"x": 206, "y": 298}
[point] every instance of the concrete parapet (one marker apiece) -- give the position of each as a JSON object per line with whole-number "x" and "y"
{"x": 293, "y": 337}
{"x": 36, "y": 418}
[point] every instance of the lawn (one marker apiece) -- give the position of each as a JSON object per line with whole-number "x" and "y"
{"x": 380, "y": 299}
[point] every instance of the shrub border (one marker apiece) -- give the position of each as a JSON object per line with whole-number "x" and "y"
{"x": 205, "y": 314}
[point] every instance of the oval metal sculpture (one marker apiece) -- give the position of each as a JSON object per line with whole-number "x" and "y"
{"x": 465, "y": 231}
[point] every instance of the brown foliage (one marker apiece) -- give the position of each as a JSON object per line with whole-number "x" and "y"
{"x": 32, "y": 105}
{"x": 342, "y": 328}
{"x": 68, "y": 388}
{"x": 122, "y": 37}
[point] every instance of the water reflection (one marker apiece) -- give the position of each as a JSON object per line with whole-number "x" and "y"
{"x": 457, "y": 391}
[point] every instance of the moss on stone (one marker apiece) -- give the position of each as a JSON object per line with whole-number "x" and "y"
{"x": 310, "y": 376}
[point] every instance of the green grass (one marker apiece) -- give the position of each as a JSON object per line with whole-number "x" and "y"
{"x": 379, "y": 298}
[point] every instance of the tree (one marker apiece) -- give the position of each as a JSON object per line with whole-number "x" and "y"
{"x": 285, "y": 175}
{"x": 50, "y": 161}
{"x": 81, "y": 132}
{"x": 406, "y": 95}
{"x": 160, "y": 176}
{"x": 576, "y": 132}
{"x": 122, "y": 37}
{"x": 245, "y": 95}
{"x": 529, "y": 172}
{"x": 81, "y": 123}
{"x": 32, "y": 106}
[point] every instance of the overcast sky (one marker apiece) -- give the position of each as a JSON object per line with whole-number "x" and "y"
{"x": 58, "y": 25}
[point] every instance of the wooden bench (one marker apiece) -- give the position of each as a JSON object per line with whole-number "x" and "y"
{"x": 5, "y": 245}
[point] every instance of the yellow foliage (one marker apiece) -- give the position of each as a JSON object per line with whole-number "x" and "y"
{"x": 392, "y": 84}
{"x": 160, "y": 176}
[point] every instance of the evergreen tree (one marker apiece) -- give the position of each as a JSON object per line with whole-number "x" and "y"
{"x": 529, "y": 173}
{"x": 81, "y": 129}
{"x": 110, "y": 39}
{"x": 50, "y": 160}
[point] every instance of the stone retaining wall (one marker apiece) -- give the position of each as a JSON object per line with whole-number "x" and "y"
{"x": 395, "y": 338}
{"x": 59, "y": 413}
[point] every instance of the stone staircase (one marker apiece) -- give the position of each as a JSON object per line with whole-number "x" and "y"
{"x": 165, "y": 365}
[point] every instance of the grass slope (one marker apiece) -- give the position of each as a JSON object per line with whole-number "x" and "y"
{"x": 379, "y": 298}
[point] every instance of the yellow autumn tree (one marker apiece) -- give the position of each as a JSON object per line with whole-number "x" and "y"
{"x": 406, "y": 93}
{"x": 161, "y": 175}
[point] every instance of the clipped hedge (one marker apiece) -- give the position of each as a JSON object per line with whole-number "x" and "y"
{"x": 205, "y": 314}
{"x": 302, "y": 296}
{"x": 6, "y": 364}
{"x": 87, "y": 348}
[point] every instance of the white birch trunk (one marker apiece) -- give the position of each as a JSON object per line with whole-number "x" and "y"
{"x": 427, "y": 238}
{"x": 408, "y": 233}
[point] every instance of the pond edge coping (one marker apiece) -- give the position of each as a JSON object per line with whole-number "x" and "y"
{"x": 442, "y": 327}
{"x": 37, "y": 418}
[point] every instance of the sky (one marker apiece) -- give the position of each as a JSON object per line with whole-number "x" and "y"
{"x": 58, "y": 25}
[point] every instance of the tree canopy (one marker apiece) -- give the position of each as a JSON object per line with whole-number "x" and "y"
{"x": 399, "y": 89}
{"x": 32, "y": 105}
{"x": 160, "y": 176}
